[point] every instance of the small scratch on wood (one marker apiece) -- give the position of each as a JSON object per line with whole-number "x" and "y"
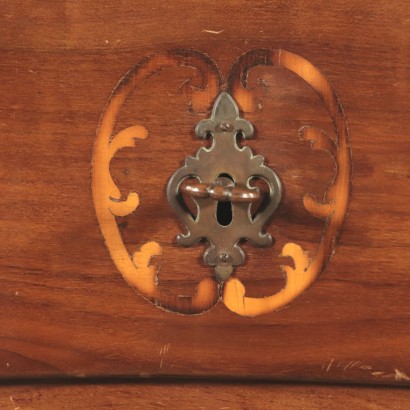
{"x": 164, "y": 349}
{"x": 355, "y": 364}
{"x": 400, "y": 376}
{"x": 212, "y": 31}
{"x": 347, "y": 366}
{"x": 351, "y": 364}
{"x": 330, "y": 365}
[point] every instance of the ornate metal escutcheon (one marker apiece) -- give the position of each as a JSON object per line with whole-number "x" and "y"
{"x": 223, "y": 173}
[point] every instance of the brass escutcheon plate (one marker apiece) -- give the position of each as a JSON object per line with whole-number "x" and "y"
{"x": 231, "y": 169}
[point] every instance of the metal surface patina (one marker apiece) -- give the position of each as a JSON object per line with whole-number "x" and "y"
{"x": 224, "y": 173}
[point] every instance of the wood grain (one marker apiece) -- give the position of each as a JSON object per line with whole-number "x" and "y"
{"x": 200, "y": 395}
{"x": 66, "y": 310}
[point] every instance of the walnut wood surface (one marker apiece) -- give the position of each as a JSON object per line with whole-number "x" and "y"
{"x": 200, "y": 395}
{"x": 66, "y": 310}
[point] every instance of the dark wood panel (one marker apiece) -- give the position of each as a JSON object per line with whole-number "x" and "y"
{"x": 66, "y": 308}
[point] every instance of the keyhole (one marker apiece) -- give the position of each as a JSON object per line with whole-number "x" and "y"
{"x": 224, "y": 213}
{"x": 224, "y": 208}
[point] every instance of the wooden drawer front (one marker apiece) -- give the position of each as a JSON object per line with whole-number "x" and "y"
{"x": 340, "y": 69}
